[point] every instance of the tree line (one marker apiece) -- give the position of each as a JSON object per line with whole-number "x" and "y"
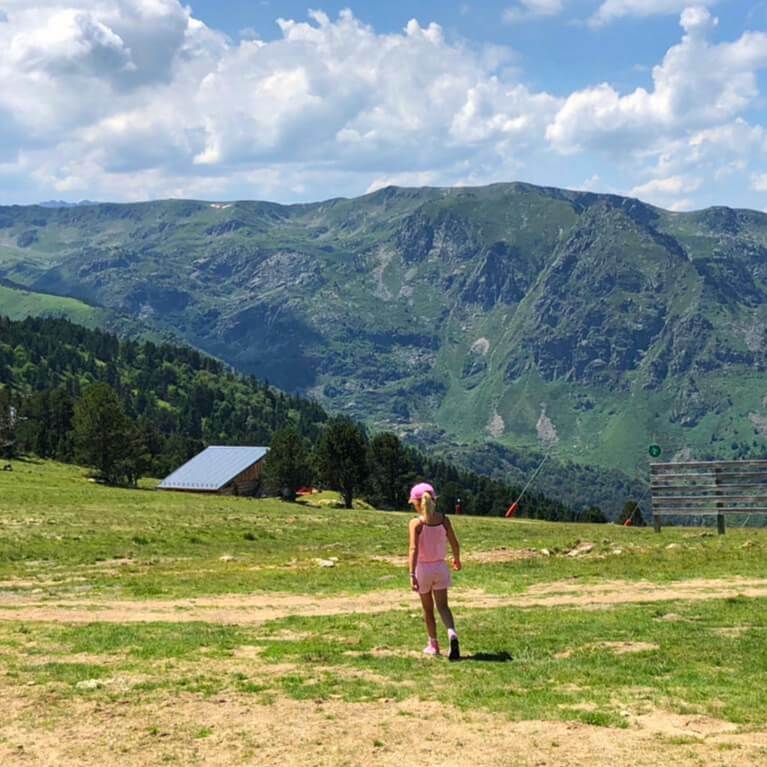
{"x": 176, "y": 399}
{"x": 381, "y": 469}
{"x": 130, "y": 409}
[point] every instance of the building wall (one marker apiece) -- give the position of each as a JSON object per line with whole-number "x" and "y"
{"x": 247, "y": 483}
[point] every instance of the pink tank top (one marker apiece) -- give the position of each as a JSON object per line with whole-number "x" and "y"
{"x": 432, "y": 543}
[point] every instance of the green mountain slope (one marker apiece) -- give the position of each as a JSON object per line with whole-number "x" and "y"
{"x": 17, "y": 303}
{"x": 179, "y": 400}
{"x": 521, "y": 315}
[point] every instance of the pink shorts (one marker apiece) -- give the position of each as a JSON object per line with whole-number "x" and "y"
{"x": 433, "y": 576}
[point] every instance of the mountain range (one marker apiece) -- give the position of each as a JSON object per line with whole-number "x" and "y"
{"x": 493, "y": 323}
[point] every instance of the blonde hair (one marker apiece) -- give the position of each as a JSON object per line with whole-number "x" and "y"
{"x": 428, "y": 507}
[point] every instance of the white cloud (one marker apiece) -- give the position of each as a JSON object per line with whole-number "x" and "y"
{"x": 734, "y": 138}
{"x": 668, "y": 192}
{"x": 137, "y": 98}
{"x": 612, "y": 10}
{"x": 524, "y": 10}
{"x": 71, "y": 42}
{"x": 697, "y": 84}
{"x": 132, "y": 86}
{"x": 591, "y": 184}
{"x": 759, "y": 182}
{"x": 665, "y": 187}
{"x": 425, "y": 178}
{"x": 680, "y": 206}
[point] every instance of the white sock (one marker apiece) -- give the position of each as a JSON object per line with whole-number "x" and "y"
{"x": 451, "y": 634}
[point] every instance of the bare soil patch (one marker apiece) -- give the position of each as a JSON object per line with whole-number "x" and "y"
{"x": 492, "y": 556}
{"x": 234, "y": 730}
{"x": 617, "y": 648}
{"x": 624, "y": 648}
{"x": 249, "y": 609}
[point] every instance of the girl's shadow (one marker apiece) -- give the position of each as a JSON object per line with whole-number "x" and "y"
{"x": 490, "y": 657}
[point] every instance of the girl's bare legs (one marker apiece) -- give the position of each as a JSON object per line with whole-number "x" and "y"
{"x": 428, "y": 615}
{"x": 440, "y": 598}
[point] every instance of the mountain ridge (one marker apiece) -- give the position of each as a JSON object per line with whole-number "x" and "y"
{"x": 511, "y": 313}
{"x": 387, "y": 190}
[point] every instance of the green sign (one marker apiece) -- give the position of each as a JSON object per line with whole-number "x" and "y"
{"x": 655, "y": 451}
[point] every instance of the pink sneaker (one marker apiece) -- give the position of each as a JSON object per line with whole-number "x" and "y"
{"x": 432, "y": 648}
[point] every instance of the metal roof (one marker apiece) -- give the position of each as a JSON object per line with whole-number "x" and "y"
{"x": 213, "y": 468}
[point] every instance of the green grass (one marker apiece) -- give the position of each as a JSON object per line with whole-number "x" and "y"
{"x": 538, "y": 663}
{"x": 60, "y": 535}
{"x": 18, "y": 304}
{"x": 531, "y": 663}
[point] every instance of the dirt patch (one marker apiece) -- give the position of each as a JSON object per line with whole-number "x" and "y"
{"x": 248, "y": 652}
{"x": 398, "y": 560}
{"x": 229, "y": 609}
{"x": 617, "y": 648}
{"x": 679, "y": 725}
{"x": 480, "y": 557}
{"x": 624, "y": 648}
{"x": 288, "y": 635}
{"x": 731, "y": 631}
{"x": 233, "y": 730}
{"x": 567, "y": 593}
{"x": 249, "y": 609}
{"x": 385, "y": 652}
{"x": 502, "y": 555}
{"x": 671, "y": 618}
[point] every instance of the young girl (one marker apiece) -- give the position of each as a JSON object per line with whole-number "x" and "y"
{"x": 429, "y": 573}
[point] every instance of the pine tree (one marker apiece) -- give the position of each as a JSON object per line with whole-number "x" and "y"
{"x": 102, "y": 432}
{"x": 287, "y": 466}
{"x": 390, "y": 472}
{"x": 631, "y": 511}
{"x": 7, "y": 424}
{"x": 341, "y": 457}
{"x": 595, "y": 515}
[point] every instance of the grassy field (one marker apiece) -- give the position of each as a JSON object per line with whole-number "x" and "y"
{"x": 155, "y": 628}
{"x": 18, "y": 304}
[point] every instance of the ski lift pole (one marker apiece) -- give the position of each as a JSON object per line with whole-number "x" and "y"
{"x": 512, "y": 510}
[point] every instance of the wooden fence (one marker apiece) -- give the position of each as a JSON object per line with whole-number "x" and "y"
{"x": 698, "y": 488}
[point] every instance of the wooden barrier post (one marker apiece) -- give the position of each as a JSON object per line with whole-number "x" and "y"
{"x": 720, "y": 516}
{"x": 656, "y": 522}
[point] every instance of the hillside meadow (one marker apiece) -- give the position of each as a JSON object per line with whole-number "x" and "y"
{"x": 147, "y": 628}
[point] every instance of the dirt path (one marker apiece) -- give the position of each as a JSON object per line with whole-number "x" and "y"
{"x": 250, "y": 609}
{"x": 233, "y": 730}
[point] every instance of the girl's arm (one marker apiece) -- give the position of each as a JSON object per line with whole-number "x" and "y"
{"x": 454, "y": 545}
{"x": 412, "y": 557}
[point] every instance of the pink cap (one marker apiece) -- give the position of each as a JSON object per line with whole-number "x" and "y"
{"x": 417, "y": 491}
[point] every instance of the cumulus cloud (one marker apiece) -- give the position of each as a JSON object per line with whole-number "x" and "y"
{"x": 338, "y": 89}
{"x": 612, "y": 10}
{"x": 661, "y": 189}
{"x": 759, "y": 182}
{"x": 697, "y": 84}
{"x": 532, "y": 9}
{"x": 71, "y": 42}
{"x": 130, "y": 99}
{"x": 140, "y": 38}
{"x": 165, "y": 92}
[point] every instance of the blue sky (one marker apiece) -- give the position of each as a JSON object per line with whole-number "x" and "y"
{"x": 137, "y": 99}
